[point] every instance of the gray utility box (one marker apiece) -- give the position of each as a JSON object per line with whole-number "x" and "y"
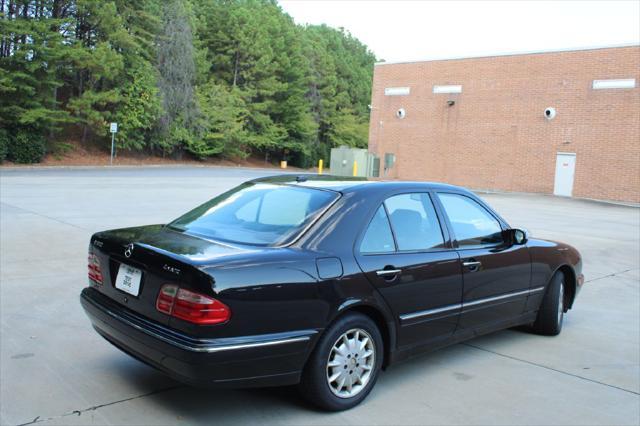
{"x": 342, "y": 160}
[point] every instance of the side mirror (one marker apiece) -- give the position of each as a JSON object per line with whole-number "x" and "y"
{"x": 519, "y": 236}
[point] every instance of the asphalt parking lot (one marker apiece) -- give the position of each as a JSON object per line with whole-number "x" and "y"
{"x": 54, "y": 369}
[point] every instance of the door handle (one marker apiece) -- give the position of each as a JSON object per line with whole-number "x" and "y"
{"x": 472, "y": 264}
{"x": 388, "y": 272}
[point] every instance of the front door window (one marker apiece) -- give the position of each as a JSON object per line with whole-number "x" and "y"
{"x": 472, "y": 225}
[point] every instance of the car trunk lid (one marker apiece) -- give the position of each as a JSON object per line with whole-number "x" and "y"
{"x": 136, "y": 262}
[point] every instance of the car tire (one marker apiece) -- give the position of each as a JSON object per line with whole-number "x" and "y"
{"x": 339, "y": 355}
{"x": 551, "y": 313}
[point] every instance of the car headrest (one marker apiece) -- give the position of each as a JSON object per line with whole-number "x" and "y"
{"x": 406, "y": 219}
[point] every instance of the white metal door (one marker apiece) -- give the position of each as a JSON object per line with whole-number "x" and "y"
{"x": 565, "y": 169}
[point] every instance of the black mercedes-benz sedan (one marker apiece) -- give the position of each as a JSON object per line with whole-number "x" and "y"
{"x": 322, "y": 282}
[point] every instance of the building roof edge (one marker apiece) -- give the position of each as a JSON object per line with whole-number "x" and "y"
{"x": 522, "y": 53}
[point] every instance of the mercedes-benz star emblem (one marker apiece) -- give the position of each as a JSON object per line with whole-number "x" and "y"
{"x": 129, "y": 250}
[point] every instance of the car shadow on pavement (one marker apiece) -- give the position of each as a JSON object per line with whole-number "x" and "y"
{"x": 152, "y": 388}
{"x": 242, "y": 406}
{"x": 166, "y": 398}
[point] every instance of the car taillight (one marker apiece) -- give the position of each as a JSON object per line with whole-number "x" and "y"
{"x": 95, "y": 273}
{"x": 189, "y": 306}
{"x": 166, "y": 298}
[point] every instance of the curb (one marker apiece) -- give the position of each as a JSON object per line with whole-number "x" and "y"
{"x": 144, "y": 166}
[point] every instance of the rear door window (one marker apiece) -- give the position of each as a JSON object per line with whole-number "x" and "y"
{"x": 378, "y": 237}
{"x": 414, "y": 222}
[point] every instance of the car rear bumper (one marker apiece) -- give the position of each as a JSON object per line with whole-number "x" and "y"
{"x": 250, "y": 361}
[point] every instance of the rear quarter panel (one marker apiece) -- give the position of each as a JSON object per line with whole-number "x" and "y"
{"x": 281, "y": 291}
{"x": 274, "y": 292}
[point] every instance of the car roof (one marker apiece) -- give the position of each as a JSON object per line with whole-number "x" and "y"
{"x": 349, "y": 184}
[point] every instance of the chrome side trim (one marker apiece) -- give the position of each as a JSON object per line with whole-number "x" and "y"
{"x": 202, "y": 345}
{"x": 210, "y": 349}
{"x": 447, "y": 308}
{"x": 428, "y": 312}
{"x": 495, "y": 298}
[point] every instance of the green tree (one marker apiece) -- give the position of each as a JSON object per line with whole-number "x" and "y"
{"x": 32, "y": 51}
{"x": 221, "y": 123}
{"x": 139, "y": 108}
{"x": 341, "y": 88}
{"x": 111, "y": 39}
{"x": 210, "y": 77}
{"x": 177, "y": 70}
{"x": 255, "y": 48}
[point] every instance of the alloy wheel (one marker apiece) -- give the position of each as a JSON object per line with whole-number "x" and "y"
{"x": 351, "y": 363}
{"x": 561, "y": 303}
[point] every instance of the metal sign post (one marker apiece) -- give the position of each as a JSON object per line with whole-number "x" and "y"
{"x": 113, "y": 129}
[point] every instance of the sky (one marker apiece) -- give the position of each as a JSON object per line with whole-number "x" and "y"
{"x": 421, "y": 30}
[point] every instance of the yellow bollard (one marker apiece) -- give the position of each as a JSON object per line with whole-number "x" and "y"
{"x": 320, "y": 162}
{"x": 355, "y": 168}
{"x": 283, "y": 164}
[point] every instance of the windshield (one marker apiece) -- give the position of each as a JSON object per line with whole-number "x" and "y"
{"x": 257, "y": 214}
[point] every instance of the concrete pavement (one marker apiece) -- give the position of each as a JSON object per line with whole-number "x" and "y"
{"x": 54, "y": 369}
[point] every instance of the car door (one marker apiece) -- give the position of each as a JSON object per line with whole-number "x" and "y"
{"x": 496, "y": 273}
{"x": 406, "y": 255}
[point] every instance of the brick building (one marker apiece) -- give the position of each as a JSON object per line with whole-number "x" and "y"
{"x": 556, "y": 122}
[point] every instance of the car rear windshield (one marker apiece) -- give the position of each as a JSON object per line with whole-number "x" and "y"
{"x": 257, "y": 214}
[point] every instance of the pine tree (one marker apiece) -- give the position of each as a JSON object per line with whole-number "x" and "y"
{"x": 340, "y": 91}
{"x": 212, "y": 77}
{"x": 177, "y": 75}
{"x": 31, "y": 54}
{"x": 220, "y": 129}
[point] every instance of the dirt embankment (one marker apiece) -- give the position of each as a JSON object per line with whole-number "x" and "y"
{"x": 75, "y": 154}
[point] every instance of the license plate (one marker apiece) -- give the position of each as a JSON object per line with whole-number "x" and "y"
{"x": 128, "y": 279}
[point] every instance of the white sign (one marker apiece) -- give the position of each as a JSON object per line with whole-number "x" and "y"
{"x": 114, "y": 128}
{"x": 454, "y": 88}
{"x": 625, "y": 83}
{"x": 396, "y": 91}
